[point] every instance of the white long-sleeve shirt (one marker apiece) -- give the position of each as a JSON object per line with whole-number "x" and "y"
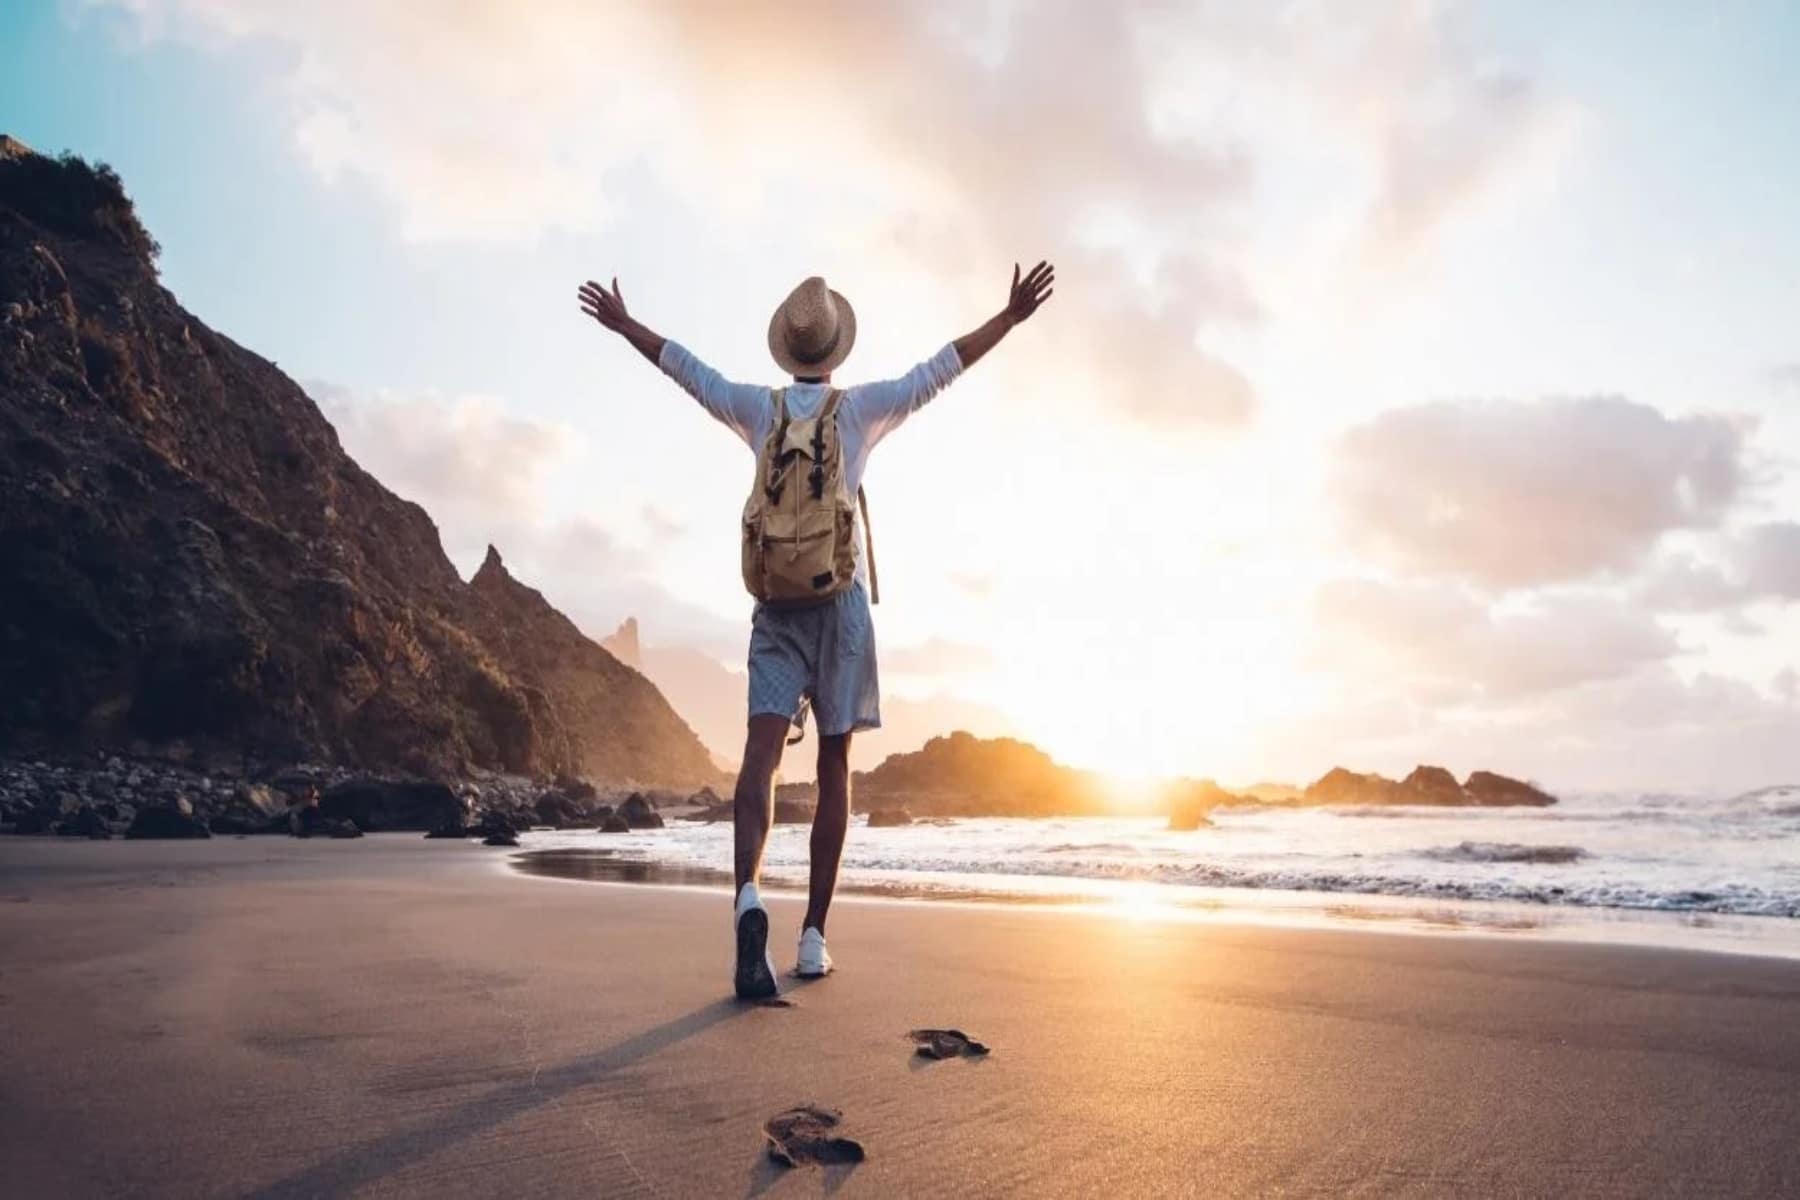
{"x": 867, "y": 412}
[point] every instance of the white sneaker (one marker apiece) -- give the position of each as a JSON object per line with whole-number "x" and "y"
{"x": 815, "y": 959}
{"x": 754, "y": 978}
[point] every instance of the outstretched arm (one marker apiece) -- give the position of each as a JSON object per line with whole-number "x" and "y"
{"x": 880, "y": 407}
{"x": 739, "y": 406}
{"x": 608, "y": 308}
{"x": 1026, "y": 295}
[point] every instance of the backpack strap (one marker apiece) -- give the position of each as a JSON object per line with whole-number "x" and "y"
{"x": 827, "y": 412}
{"x": 862, "y": 502}
{"x": 772, "y": 448}
{"x": 827, "y": 415}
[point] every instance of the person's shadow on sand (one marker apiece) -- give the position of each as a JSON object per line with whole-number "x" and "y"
{"x": 363, "y": 1163}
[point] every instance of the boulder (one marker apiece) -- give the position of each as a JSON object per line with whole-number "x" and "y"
{"x": 1341, "y": 786}
{"x": 1433, "y": 785}
{"x": 380, "y": 804}
{"x": 576, "y": 789}
{"x": 175, "y": 820}
{"x": 88, "y": 823}
{"x": 884, "y": 818}
{"x": 32, "y": 820}
{"x": 305, "y": 819}
{"x": 250, "y": 808}
{"x": 342, "y": 829}
{"x": 794, "y": 812}
{"x": 638, "y": 814}
{"x": 1188, "y": 818}
{"x": 501, "y": 838}
{"x": 613, "y": 823}
{"x": 1489, "y": 789}
{"x": 558, "y": 811}
{"x": 1191, "y": 800}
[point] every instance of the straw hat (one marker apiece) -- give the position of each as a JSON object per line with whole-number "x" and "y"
{"x": 813, "y": 330}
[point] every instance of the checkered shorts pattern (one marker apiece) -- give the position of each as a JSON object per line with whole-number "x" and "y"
{"x": 823, "y": 655}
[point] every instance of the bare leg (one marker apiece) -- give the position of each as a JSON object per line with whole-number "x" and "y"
{"x": 830, "y": 820}
{"x": 753, "y": 803}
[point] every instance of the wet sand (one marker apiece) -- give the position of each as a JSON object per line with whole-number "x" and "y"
{"x": 398, "y": 1017}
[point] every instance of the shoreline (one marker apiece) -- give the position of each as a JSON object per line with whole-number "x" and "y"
{"x": 1699, "y": 932}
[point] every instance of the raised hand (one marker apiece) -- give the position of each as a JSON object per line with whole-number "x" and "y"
{"x": 606, "y": 307}
{"x": 1029, "y": 292}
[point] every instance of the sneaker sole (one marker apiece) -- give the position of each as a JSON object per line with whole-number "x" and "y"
{"x": 755, "y": 978}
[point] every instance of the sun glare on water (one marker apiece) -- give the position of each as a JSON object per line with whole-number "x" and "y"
{"x": 1141, "y": 902}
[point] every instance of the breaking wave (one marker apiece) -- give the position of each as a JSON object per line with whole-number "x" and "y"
{"x": 1505, "y": 852}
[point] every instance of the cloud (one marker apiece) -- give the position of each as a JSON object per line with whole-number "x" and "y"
{"x": 939, "y": 657}
{"x": 1439, "y": 644}
{"x": 959, "y": 136}
{"x": 449, "y": 452}
{"x": 1514, "y": 494}
{"x": 482, "y": 473}
{"x": 1760, "y": 563}
{"x": 1770, "y": 559}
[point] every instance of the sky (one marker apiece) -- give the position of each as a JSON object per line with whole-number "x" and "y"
{"x": 1422, "y": 382}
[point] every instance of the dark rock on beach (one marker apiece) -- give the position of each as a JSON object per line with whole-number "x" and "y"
{"x": 578, "y": 790}
{"x": 559, "y": 811}
{"x": 794, "y": 812}
{"x": 32, "y": 821}
{"x": 613, "y": 823}
{"x": 379, "y": 805}
{"x": 885, "y": 818}
{"x": 501, "y": 838}
{"x": 637, "y": 813}
{"x": 85, "y": 822}
{"x": 175, "y": 820}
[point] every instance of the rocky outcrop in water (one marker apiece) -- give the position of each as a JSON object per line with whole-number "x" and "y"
{"x": 1425, "y": 785}
{"x": 195, "y": 570}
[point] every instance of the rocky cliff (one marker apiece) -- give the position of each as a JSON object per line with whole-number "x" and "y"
{"x": 194, "y": 567}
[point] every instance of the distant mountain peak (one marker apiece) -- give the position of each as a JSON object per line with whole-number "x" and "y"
{"x": 625, "y": 645}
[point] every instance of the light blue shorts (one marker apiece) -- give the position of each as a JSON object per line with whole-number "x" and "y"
{"x": 823, "y": 655}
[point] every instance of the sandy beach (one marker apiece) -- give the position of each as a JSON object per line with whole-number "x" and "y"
{"x": 397, "y": 1017}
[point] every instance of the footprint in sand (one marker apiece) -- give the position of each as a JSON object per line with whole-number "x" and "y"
{"x": 801, "y": 1136}
{"x": 946, "y": 1043}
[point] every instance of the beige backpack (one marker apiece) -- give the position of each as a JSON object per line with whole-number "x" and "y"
{"x": 800, "y": 523}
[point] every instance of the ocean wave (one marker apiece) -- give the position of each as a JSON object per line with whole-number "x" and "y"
{"x": 1505, "y": 852}
{"x": 1410, "y": 812}
{"x": 1736, "y": 899}
{"x": 1093, "y": 848}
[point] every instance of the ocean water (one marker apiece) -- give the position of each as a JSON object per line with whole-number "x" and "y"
{"x": 1718, "y": 871}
